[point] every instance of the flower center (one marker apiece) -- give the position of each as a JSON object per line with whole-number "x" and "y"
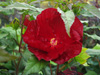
{"x": 53, "y": 42}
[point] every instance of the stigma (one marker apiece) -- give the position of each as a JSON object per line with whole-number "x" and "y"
{"x": 53, "y": 42}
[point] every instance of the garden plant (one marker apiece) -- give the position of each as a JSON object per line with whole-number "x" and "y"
{"x": 49, "y": 37}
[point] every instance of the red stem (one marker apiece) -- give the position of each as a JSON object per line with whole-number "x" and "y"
{"x": 21, "y": 39}
{"x": 50, "y": 68}
{"x": 57, "y": 69}
{"x": 17, "y": 68}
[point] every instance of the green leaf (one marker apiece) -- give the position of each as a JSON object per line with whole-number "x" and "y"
{"x": 92, "y": 27}
{"x": 97, "y": 47}
{"x": 1, "y": 8}
{"x": 91, "y": 73}
{"x": 68, "y": 18}
{"x": 11, "y": 31}
{"x": 6, "y": 11}
{"x": 92, "y": 61}
{"x": 86, "y": 13}
{"x": 4, "y": 56}
{"x": 93, "y": 52}
{"x": 82, "y": 57}
{"x": 23, "y": 6}
{"x": 20, "y": 6}
{"x": 92, "y": 9}
{"x": 34, "y": 65}
{"x": 3, "y": 3}
{"x": 27, "y": 54}
{"x": 2, "y": 35}
{"x": 94, "y": 36}
{"x": 53, "y": 63}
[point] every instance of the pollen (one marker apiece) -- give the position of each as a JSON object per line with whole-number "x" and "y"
{"x": 53, "y": 42}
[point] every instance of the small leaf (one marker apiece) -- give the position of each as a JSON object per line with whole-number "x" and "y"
{"x": 91, "y": 73}
{"x": 2, "y": 35}
{"x": 53, "y": 63}
{"x": 92, "y": 61}
{"x": 34, "y": 65}
{"x": 68, "y": 18}
{"x": 1, "y": 9}
{"x": 82, "y": 57}
{"x": 11, "y": 31}
{"x": 94, "y": 36}
{"x": 23, "y": 6}
{"x": 92, "y": 27}
{"x": 3, "y": 3}
{"x": 4, "y": 56}
{"x": 92, "y": 9}
{"x": 20, "y": 6}
{"x": 97, "y": 47}
{"x": 93, "y": 52}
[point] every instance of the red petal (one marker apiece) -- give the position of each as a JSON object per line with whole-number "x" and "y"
{"x": 45, "y": 31}
{"x": 40, "y": 54}
{"x": 71, "y": 51}
{"x": 73, "y": 44}
{"x": 51, "y": 24}
{"x": 26, "y": 22}
{"x": 76, "y": 30}
{"x": 30, "y": 37}
{"x": 30, "y": 33}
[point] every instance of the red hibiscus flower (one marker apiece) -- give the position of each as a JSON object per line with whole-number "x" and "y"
{"x": 47, "y": 37}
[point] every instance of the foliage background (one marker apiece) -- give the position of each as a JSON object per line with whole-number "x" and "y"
{"x": 15, "y": 59}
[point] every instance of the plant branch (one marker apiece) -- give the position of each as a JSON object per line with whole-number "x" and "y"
{"x": 98, "y": 61}
{"x": 14, "y": 60}
{"x": 62, "y": 67}
{"x": 17, "y": 68}
{"x": 65, "y": 65}
{"x": 57, "y": 70}
{"x": 21, "y": 38}
{"x": 16, "y": 41}
{"x": 50, "y": 68}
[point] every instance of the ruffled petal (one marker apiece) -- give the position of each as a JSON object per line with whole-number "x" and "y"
{"x": 74, "y": 47}
{"x": 45, "y": 31}
{"x": 30, "y": 37}
{"x": 51, "y": 24}
{"x": 76, "y": 30}
{"x": 71, "y": 51}
{"x": 40, "y": 54}
{"x": 31, "y": 32}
